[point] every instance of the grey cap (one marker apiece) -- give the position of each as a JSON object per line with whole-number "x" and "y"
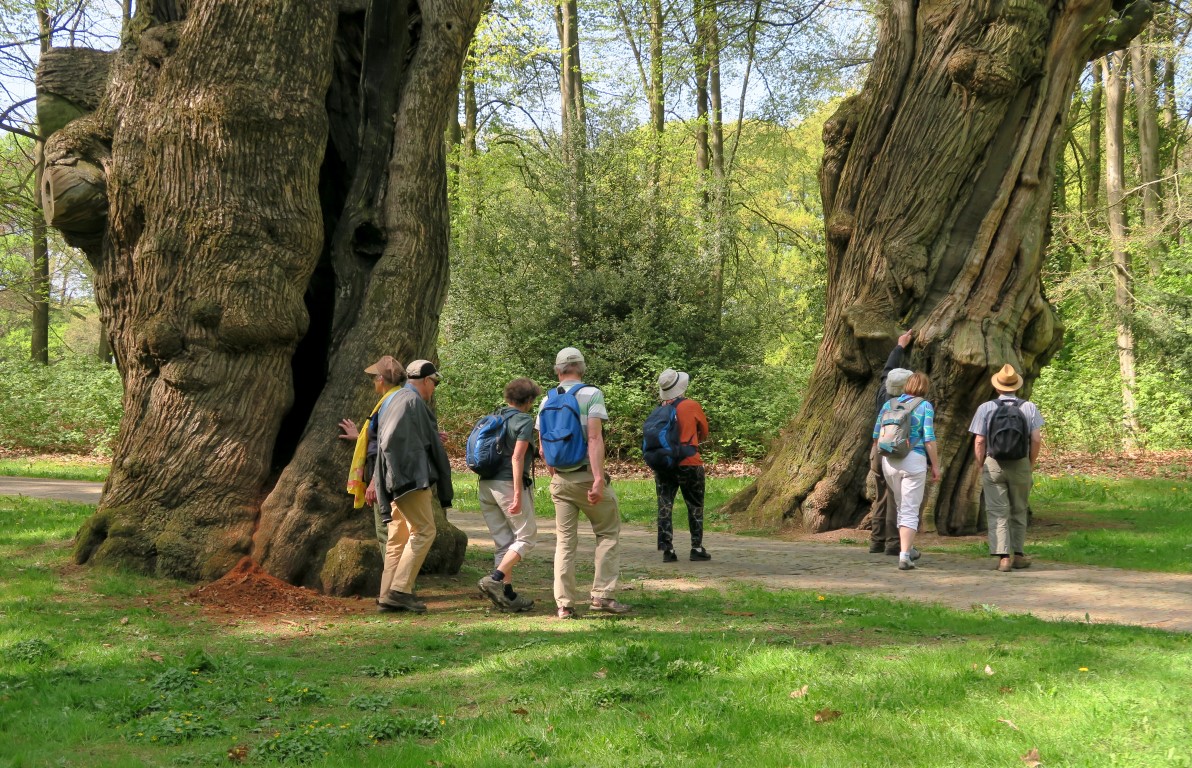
{"x": 569, "y": 355}
{"x": 896, "y": 381}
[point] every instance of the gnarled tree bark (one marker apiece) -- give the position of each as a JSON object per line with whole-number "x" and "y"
{"x": 262, "y": 227}
{"x": 936, "y": 184}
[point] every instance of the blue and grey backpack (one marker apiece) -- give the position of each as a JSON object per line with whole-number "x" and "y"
{"x": 485, "y": 450}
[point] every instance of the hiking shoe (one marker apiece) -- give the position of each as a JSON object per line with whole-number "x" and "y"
{"x": 382, "y": 608}
{"x": 494, "y": 590}
{"x": 915, "y": 554}
{"x": 402, "y": 601}
{"x": 700, "y": 554}
{"x": 608, "y": 605}
{"x": 669, "y": 556}
{"x": 877, "y": 547}
{"x": 1019, "y": 562}
{"x": 565, "y": 612}
{"x": 905, "y": 564}
{"x": 1003, "y": 565}
{"x": 520, "y": 604}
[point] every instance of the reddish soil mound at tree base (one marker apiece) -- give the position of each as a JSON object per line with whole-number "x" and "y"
{"x": 246, "y": 590}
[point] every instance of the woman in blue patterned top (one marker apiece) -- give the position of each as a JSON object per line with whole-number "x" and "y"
{"x": 907, "y": 476}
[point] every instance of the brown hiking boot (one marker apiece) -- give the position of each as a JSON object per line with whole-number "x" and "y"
{"x": 1003, "y": 565}
{"x": 608, "y": 605}
{"x": 1020, "y": 562}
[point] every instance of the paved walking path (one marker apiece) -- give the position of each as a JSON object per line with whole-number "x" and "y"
{"x": 1046, "y": 590}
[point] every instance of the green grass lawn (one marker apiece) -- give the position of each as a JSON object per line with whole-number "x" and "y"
{"x": 58, "y": 468}
{"x": 99, "y": 668}
{"x": 1138, "y": 524}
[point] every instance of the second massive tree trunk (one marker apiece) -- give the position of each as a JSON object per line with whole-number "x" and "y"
{"x": 936, "y": 185}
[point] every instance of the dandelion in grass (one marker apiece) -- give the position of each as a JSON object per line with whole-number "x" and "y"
{"x": 1084, "y": 669}
{"x": 820, "y": 597}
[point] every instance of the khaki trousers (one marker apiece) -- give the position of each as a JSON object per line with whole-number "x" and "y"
{"x": 1006, "y": 486}
{"x": 411, "y": 534}
{"x": 569, "y": 492}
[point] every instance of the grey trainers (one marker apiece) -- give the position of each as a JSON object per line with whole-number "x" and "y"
{"x": 915, "y": 554}
{"x": 494, "y": 590}
{"x": 520, "y": 604}
{"x": 402, "y": 601}
{"x": 608, "y": 605}
{"x": 905, "y": 565}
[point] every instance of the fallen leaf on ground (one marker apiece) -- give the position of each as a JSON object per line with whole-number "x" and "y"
{"x": 799, "y": 693}
{"x": 521, "y": 711}
{"x": 826, "y": 715}
{"x": 600, "y": 674}
{"x": 123, "y": 620}
{"x": 1005, "y": 689}
{"x": 988, "y": 670}
{"x": 238, "y": 753}
{"x": 1032, "y": 759}
{"x": 738, "y": 613}
{"x": 1008, "y": 722}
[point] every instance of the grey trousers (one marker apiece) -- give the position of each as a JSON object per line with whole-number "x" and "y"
{"x": 1006, "y": 488}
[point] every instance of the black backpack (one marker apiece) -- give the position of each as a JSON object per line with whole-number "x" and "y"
{"x": 661, "y": 448}
{"x": 1009, "y": 434}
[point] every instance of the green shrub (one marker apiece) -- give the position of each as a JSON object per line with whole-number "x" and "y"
{"x": 72, "y": 406}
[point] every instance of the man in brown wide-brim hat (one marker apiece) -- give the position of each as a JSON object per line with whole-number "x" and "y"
{"x": 1008, "y": 437}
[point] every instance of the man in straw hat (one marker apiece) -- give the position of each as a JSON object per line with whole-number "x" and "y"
{"x": 1008, "y": 437}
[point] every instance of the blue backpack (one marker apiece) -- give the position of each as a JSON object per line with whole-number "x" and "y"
{"x": 564, "y": 443}
{"x": 660, "y": 437}
{"x": 485, "y": 451}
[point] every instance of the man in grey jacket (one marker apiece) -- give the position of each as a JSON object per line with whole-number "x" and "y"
{"x": 410, "y": 459}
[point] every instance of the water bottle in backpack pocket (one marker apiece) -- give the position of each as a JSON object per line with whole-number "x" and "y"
{"x": 1009, "y": 435}
{"x": 564, "y": 443}
{"x": 661, "y": 447}
{"x": 894, "y": 432}
{"x": 485, "y": 451}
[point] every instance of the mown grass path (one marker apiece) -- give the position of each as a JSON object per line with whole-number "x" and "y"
{"x": 1046, "y": 590}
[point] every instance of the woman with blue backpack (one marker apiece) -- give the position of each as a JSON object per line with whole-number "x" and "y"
{"x": 670, "y": 446}
{"x": 501, "y": 450}
{"x": 905, "y": 437}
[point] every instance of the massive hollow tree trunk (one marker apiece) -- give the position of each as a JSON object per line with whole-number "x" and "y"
{"x": 936, "y": 184}
{"x": 262, "y": 227}
{"x": 308, "y": 534}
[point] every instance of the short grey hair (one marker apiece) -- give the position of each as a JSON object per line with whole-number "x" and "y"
{"x": 579, "y": 369}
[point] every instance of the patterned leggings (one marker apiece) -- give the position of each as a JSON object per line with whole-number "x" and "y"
{"x": 667, "y": 482}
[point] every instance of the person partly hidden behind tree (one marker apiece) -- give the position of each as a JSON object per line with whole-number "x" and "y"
{"x": 410, "y": 459}
{"x": 570, "y": 428}
{"x": 905, "y": 437}
{"x": 883, "y": 514}
{"x": 1009, "y": 434}
{"x": 670, "y": 446}
{"x": 387, "y": 376}
{"x": 507, "y": 495}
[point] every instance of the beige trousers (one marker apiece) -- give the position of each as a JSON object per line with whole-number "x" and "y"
{"x": 569, "y": 492}
{"x": 411, "y": 534}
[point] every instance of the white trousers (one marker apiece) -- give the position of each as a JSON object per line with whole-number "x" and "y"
{"x": 907, "y": 480}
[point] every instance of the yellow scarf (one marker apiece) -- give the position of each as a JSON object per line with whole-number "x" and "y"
{"x": 356, "y": 484}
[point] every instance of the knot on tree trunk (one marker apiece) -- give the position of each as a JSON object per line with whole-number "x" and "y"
{"x": 74, "y": 189}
